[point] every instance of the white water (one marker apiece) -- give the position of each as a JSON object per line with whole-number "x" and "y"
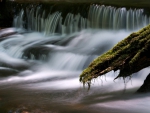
{"x": 98, "y": 17}
{"x": 50, "y": 82}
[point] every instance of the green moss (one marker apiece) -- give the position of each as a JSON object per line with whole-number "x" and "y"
{"x": 124, "y": 56}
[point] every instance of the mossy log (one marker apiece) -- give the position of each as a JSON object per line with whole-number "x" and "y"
{"x": 129, "y": 56}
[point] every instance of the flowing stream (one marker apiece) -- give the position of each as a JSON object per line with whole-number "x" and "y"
{"x": 39, "y": 73}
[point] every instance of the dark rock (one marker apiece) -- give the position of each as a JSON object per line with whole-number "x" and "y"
{"x": 7, "y": 71}
{"x": 146, "y": 85}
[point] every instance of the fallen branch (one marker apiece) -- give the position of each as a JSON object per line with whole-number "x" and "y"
{"x": 129, "y": 56}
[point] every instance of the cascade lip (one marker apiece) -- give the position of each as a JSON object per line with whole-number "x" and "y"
{"x": 119, "y": 3}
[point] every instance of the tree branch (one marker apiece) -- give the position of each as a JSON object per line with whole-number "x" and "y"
{"x": 129, "y": 56}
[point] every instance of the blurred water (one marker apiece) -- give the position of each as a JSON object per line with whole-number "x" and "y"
{"x": 35, "y": 18}
{"x": 40, "y": 74}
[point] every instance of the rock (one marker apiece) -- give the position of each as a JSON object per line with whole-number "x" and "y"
{"x": 146, "y": 85}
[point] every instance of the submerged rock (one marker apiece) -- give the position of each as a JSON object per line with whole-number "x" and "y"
{"x": 7, "y": 71}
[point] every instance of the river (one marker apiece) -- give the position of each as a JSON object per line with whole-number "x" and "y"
{"x": 39, "y": 72}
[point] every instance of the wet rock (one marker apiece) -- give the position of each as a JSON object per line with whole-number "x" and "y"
{"x": 7, "y": 32}
{"x": 146, "y": 85}
{"x": 7, "y": 71}
{"x": 36, "y": 52}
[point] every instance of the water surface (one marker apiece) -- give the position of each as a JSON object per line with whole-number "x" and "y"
{"x": 40, "y": 74}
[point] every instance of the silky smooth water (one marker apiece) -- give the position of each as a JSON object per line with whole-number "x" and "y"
{"x": 40, "y": 74}
{"x": 40, "y": 66}
{"x": 35, "y": 18}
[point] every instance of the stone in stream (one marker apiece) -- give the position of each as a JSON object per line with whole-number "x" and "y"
{"x": 146, "y": 85}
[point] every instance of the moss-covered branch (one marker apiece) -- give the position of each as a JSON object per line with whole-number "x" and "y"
{"x": 129, "y": 56}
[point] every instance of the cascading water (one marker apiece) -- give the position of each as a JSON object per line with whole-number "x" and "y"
{"x": 99, "y": 17}
{"x": 40, "y": 73}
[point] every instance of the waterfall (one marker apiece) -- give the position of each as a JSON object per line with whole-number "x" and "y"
{"x": 98, "y": 17}
{"x": 42, "y": 56}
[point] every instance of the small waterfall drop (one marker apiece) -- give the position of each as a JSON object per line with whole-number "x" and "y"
{"x": 98, "y": 17}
